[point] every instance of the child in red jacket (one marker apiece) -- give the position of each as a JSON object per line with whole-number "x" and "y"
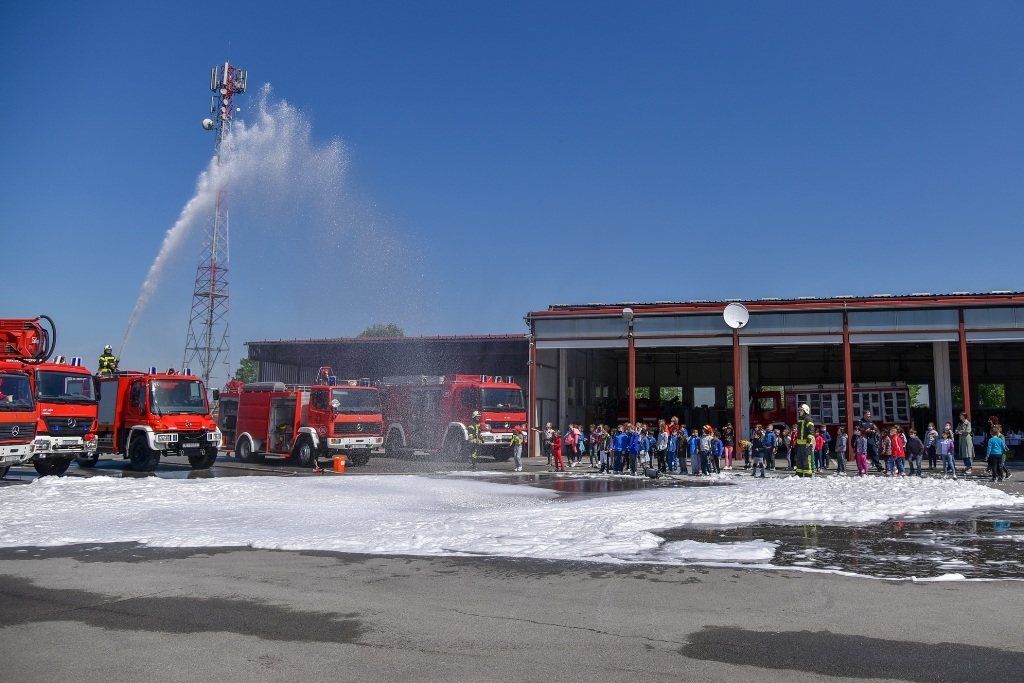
{"x": 556, "y": 451}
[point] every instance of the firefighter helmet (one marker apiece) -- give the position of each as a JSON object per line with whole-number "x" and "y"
{"x": 476, "y": 413}
{"x": 805, "y": 408}
{"x": 108, "y": 349}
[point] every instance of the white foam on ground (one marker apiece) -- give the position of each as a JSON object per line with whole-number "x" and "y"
{"x": 418, "y": 515}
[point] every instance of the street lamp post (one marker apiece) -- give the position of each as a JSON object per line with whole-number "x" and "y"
{"x": 627, "y": 313}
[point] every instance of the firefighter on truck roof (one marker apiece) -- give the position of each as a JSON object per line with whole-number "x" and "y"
{"x": 107, "y": 363}
{"x": 474, "y": 438}
{"x": 804, "y": 442}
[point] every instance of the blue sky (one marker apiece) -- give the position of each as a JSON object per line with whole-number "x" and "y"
{"x": 498, "y": 157}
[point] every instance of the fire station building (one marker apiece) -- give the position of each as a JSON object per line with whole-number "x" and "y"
{"x": 631, "y": 361}
{"x": 645, "y": 361}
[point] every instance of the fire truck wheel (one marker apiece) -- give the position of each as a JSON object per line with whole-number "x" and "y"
{"x": 455, "y": 447}
{"x": 204, "y": 460}
{"x": 391, "y": 449}
{"x": 359, "y": 459}
{"x": 243, "y": 451}
{"x": 502, "y": 454}
{"x": 51, "y": 467}
{"x": 3, "y": 471}
{"x": 304, "y": 452}
{"x": 142, "y": 457}
{"x": 89, "y": 461}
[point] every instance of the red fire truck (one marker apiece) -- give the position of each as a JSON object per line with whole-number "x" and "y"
{"x": 305, "y": 423}
{"x": 65, "y": 426}
{"x": 144, "y": 415}
{"x": 889, "y": 403}
{"x": 425, "y": 413}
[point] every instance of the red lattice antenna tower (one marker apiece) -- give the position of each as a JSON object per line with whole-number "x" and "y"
{"x": 208, "y": 340}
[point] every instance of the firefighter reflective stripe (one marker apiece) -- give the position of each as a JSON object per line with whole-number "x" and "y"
{"x": 804, "y": 460}
{"x": 107, "y": 362}
{"x": 805, "y": 432}
{"x": 473, "y": 431}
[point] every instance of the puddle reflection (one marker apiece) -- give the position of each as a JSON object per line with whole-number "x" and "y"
{"x": 984, "y": 545}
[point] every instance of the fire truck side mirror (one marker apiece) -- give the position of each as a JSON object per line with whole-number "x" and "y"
{"x": 216, "y": 394}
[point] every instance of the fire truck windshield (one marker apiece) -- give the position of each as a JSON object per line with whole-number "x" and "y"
{"x": 502, "y": 399}
{"x": 177, "y": 397}
{"x": 55, "y": 386}
{"x": 351, "y": 400}
{"x": 15, "y": 393}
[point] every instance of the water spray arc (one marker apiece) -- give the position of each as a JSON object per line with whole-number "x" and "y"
{"x": 208, "y": 326}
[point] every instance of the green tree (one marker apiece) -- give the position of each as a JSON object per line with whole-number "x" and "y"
{"x": 248, "y": 370}
{"x": 991, "y": 395}
{"x": 915, "y": 392}
{"x": 382, "y": 330}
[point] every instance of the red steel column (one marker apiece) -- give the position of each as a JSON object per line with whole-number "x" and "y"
{"x": 848, "y": 384}
{"x": 531, "y": 418}
{"x": 965, "y": 377}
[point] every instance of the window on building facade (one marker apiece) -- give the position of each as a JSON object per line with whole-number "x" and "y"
{"x": 704, "y": 396}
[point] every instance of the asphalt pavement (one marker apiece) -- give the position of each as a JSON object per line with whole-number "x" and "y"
{"x": 128, "y": 613}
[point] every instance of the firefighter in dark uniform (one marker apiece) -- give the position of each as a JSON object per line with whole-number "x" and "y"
{"x": 473, "y": 433}
{"x": 107, "y": 367}
{"x": 804, "y": 442}
{"x": 107, "y": 363}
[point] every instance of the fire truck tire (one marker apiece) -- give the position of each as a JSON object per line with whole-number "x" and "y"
{"x": 502, "y": 454}
{"x": 304, "y": 452}
{"x": 204, "y": 460}
{"x": 51, "y": 467}
{"x": 359, "y": 459}
{"x": 391, "y": 448}
{"x": 243, "y": 451}
{"x": 455, "y": 447}
{"x": 88, "y": 461}
{"x": 4, "y": 470}
{"x": 142, "y": 457}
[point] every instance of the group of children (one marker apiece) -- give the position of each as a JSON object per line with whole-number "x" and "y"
{"x": 667, "y": 446}
{"x": 639, "y": 447}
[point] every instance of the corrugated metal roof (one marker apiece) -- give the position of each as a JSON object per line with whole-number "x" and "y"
{"x": 803, "y": 301}
{"x": 370, "y": 340}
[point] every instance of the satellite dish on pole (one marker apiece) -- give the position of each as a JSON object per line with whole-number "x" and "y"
{"x": 736, "y": 315}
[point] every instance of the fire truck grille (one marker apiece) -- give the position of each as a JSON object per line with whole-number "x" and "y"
{"x": 65, "y": 426}
{"x": 18, "y": 430}
{"x": 199, "y": 436}
{"x": 361, "y": 428}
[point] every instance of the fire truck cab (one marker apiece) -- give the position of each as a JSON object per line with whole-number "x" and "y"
{"x": 431, "y": 413}
{"x": 17, "y": 418}
{"x": 305, "y": 423}
{"x": 65, "y": 414}
{"x": 146, "y": 415}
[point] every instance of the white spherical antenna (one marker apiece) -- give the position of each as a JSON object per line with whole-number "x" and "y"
{"x": 208, "y": 124}
{"x": 736, "y": 315}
